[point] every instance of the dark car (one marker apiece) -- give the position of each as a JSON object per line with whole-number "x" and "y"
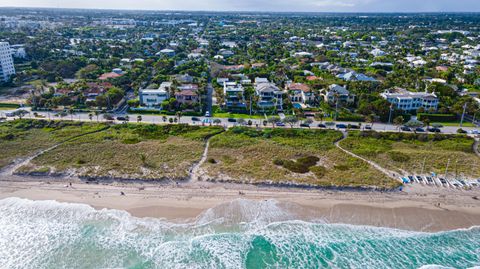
{"x": 419, "y": 130}
{"x": 195, "y": 119}
{"x": 368, "y": 127}
{"x": 341, "y": 126}
{"x": 232, "y": 120}
{"x": 405, "y": 129}
{"x": 434, "y": 130}
{"x": 280, "y": 124}
{"x": 321, "y": 125}
{"x": 304, "y": 125}
{"x": 121, "y": 118}
{"x": 353, "y": 126}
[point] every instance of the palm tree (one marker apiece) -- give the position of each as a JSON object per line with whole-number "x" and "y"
{"x": 97, "y": 114}
{"x": 71, "y": 112}
{"x": 217, "y": 121}
{"x": 164, "y": 118}
{"x": 127, "y": 119}
{"x": 90, "y": 116}
{"x": 139, "y": 118}
{"x": 370, "y": 119}
{"x": 398, "y": 121}
{"x": 179, "y": 115}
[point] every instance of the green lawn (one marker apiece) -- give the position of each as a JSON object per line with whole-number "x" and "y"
{"x": 276, "y": 155}
{"x": 408, "y": 152}
{"x": 238, "y": 116}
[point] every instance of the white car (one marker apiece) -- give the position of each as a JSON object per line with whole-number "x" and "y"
{"x": 207, "y": 114}
{"x": 473, "y": 132}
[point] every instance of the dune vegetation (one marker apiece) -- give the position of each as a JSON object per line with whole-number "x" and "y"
{"x": 23, "y": 138}
{"x": 288, "y": 156}
{"x": 127, "y": 151}
{"x": 417, "y": 153}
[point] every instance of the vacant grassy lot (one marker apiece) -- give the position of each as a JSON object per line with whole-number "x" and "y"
{"x": 23, "y": 138}
{"x": 136, "y": 151}
{"x": 409, "y": 152}
{"x": 285, "y": 156}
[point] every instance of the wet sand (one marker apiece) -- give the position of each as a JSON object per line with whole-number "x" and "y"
{"x": 416, "y": 208}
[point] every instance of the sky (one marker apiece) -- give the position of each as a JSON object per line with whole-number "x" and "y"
{"x": 262, "y": 5}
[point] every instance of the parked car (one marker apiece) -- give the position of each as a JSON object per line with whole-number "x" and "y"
{"x": 353, "y": 126}
{"x": 368, "y": 127}
{"x": 341, "y": 126}
{"x": 195, "y": 119}
{"x": 304, "y": 125}
{"x": 473, "y": 132}
{"x": 419, "y": 130}
{"x": 280, "y": 124}
{"x": 321, "y": 125}
{"x": 232, "y": 120}
{"x": 207, "y": 114}
{"x": 434, "y": 130}
{"x": 120, "y": 118}
{"x": 405, "y": 129}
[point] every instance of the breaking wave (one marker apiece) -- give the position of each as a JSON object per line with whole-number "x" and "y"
{"x": 239, "y": 234}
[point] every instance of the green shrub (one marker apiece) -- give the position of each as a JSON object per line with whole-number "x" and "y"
{"x": 296, "y": 167}
{"x": 342, "y": 167}
{"x": 398, "y": 156}
{"x": 308, "y": 161}
{"x": 212, "y": 161}
{"x": 319, "y": 171}
{"x": 278, "y": 162}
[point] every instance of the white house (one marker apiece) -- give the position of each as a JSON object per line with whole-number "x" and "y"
{"x": 378, "y": 52}
{"x": 155, "y": 97}
{"x": 411, "y": 101}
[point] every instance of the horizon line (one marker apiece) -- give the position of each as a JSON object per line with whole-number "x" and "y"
{"x": 244, "y": 11}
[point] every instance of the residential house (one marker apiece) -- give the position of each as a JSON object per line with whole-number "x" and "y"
{"x": 187, "y": 97}
{"x": 234, "y": 97}
{"x": 411, "y": 101}
{"x": 338, "y": 93}
{"x": 270, "y": 96}
{"x": 155, "y": 97}
{"x": 354, "y": 76}
{"x": 300, "y": 93}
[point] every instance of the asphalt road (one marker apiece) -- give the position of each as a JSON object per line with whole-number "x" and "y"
{"x": 158, "y": 119}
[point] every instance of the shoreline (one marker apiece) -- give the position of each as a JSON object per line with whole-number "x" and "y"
{"x": 418, "y": 208}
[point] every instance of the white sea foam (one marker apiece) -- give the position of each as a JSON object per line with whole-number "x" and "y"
{"x": 239, "y": 234}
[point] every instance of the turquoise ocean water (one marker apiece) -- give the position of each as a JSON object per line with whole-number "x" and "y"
{"x": 242, "y": 234}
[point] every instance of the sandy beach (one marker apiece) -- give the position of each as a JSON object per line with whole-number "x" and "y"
{"x": 418, "y": 208}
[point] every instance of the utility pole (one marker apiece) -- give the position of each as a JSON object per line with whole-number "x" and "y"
{"x": 390, "y": 114}
{"x": 463, "y": 114}
{"x": 250, "y": 105}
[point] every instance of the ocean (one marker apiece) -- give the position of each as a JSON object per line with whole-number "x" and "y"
{"x": 240, "y": 234}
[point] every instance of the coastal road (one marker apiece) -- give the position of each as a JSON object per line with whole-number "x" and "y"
{"x": 159, "y": 119}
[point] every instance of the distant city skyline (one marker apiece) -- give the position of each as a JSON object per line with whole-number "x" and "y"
{"x": 262, "y": 5}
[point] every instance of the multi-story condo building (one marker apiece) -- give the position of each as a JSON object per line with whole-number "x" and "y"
{"x": 7, "y": 69}
{"x": 411, "y": 101}
{"x": 234, "y": 97}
